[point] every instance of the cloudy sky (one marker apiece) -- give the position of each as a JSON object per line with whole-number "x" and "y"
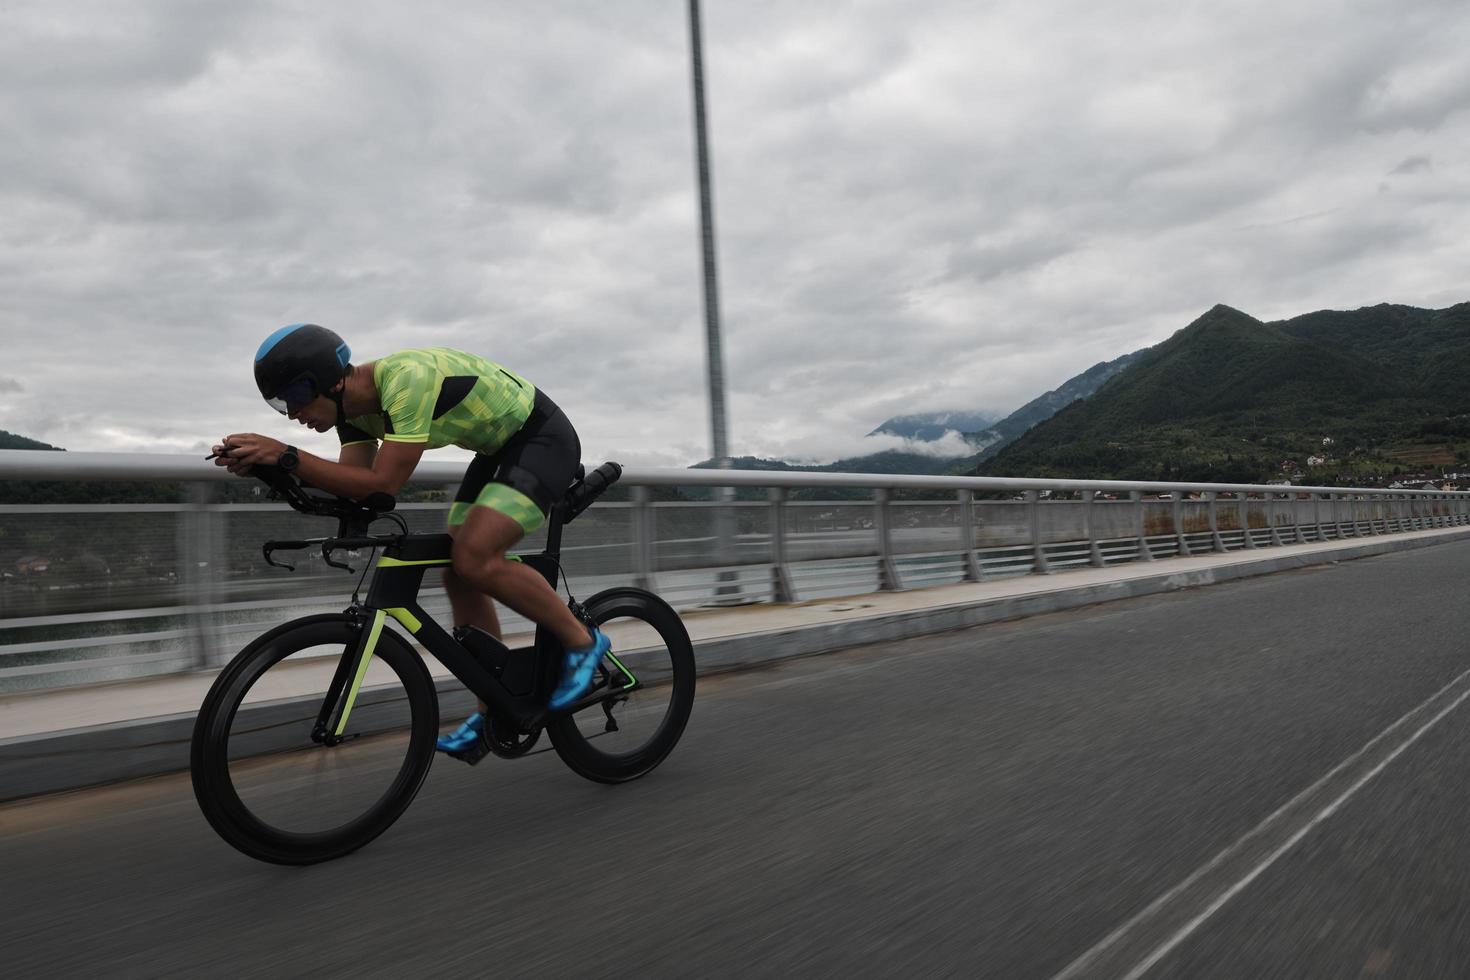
{"x": 919, "y": 205}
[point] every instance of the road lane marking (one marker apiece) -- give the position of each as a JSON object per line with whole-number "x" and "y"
{"x": 1089, "y": 958}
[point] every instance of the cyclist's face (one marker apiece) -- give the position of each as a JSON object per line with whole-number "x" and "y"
{"x": 320, "y": 413}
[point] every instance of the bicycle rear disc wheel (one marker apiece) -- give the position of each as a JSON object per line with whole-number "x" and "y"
{"x": 276, "y": 793}
{"x": 647, "y": 720}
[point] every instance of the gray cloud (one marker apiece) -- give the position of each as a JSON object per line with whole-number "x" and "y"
{"x": 9, "y": 386}
{"x": 1413, "y": 165}
{"x": 944, "y": 207}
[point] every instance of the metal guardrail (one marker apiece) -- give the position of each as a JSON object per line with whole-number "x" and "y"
{"x": 153, "y": 588}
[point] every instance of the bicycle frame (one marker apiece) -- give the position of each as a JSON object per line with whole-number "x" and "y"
{"x": 397, "y": 578}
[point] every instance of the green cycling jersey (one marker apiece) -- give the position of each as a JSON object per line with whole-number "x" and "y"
{"x": 443, "y": 397}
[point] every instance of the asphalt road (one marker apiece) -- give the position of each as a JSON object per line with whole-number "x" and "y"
{"x": 1257, "y": 779}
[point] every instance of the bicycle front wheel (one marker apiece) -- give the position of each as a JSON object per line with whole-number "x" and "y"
{"x": 278, "y": 787}
{"x": 642, "y": 694}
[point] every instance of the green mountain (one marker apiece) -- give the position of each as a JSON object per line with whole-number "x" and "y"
{"x": 931, "y": 426}
{"x": 9, "y": 440}
{"x": 1230, "y": 398}
{"x": 986, "y": 434}
{"x": 992, "y": 440}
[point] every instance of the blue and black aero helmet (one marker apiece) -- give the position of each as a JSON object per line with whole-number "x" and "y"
{"x": 299, "y": 362}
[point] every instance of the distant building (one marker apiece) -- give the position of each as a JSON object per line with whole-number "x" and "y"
{"x": 1316, "y": 460}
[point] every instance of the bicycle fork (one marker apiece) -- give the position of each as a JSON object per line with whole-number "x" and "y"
{"x": 347, "y": 679}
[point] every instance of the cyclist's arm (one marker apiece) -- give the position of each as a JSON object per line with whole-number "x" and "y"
{"x": 388, "y": 470}
{"x": 358, "y": 454}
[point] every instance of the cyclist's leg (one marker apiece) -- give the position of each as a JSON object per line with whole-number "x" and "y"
{"x": 530, "y": 476}
{"x": 507, "y": 496}
{"x": 471, "y": 607}
{"x": 480, "y": 545}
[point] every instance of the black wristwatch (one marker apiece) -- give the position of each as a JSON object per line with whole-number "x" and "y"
{"x": 290, "y": 459}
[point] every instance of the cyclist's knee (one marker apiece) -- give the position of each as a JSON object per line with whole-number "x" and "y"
{"x": 476, "y": 565}
{"x": 456, "y": 583}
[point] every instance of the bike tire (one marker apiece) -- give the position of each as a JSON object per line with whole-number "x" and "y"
{"x": 578, "y": 747}
{"x": 214, "y": 772}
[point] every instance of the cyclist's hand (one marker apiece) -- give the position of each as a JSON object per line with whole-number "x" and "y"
{"x": 241, "y": 451}
{"x": 221, "y": 456}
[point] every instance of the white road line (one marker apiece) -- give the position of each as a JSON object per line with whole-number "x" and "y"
{"x": 1077, "y": 966}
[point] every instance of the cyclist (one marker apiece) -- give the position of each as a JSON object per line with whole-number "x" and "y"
{"x": 526, "y": 456}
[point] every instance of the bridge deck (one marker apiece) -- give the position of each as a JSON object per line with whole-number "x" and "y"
{"x": 1262, "y": 779}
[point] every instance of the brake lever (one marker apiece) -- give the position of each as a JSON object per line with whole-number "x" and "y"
{"x": 266, "y": 549}
{"x": 327, "y": 557}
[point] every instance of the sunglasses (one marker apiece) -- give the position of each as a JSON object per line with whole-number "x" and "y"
{"x": 294, "y": 397}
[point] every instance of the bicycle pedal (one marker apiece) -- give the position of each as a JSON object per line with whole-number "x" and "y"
{"x": 473, "y": 754}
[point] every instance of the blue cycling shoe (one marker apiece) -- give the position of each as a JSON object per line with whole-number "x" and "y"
{"x": 464, "y": 737}
{"x": 577, "y": 671}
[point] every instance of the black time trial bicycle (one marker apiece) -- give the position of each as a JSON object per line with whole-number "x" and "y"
{"x": 315, "y": 738}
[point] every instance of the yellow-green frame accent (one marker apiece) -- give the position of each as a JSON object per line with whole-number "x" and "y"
{"x": 386, "y": 562}
{"x": 362, "y": 666}
{"x": 409, "y": 620}
{"x": 626, "y": 672}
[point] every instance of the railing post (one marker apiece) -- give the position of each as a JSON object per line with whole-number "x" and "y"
{"x": 1177, "y": 511}
{"x": 888, "y": 580}
{"x": 965, "y": 501}
{"x": 781, "y": 588}
{"x": 1217, "y": 543}
{"x": 1142, "y": 549}
{"x": 1296, "y": 518}
{"x": 1372, "y": 515}
{"x": 1271, "y": 511}
{"x": 727, "y": 581}
{"x": 643, "y": 538}
{"x": 1039, "y": 564}
{"x": 1244, "y": 508}
{"x": 199, "y": 540}
{"x": 1317, "y": 517}
{"x": 1337, "y": 500}
{"x": 1094, "y": 550}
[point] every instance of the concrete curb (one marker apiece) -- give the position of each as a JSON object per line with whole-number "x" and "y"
{"x": 755, "y": 649}
{"x": 58, "y": 761}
